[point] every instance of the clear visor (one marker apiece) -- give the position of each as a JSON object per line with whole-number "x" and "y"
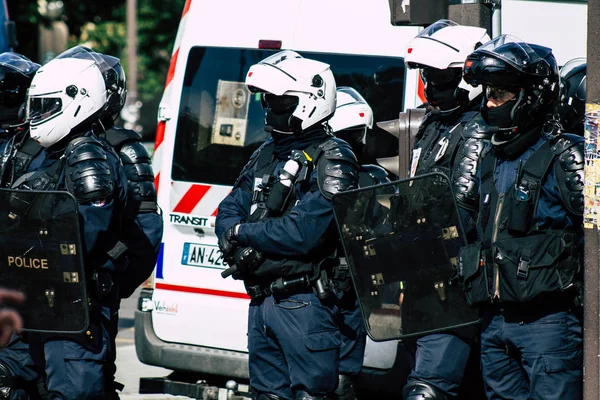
{"x": 349, "y": 95}
{"x": 18, "y": 63}
{"x": 512, "y": 50}
{"x": 433, "y": 28}
{"x": 103, "y": 61}
{"x": 40, "y": 109}
{"x": 571, "y": 65}
{"x": 280, "y": 56}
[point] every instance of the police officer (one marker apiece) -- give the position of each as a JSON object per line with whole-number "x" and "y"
{"x": 351, "y": 121}
{"x": 571, "y": 100}
{"x": 66, "y": 100}
{"x": 522, "y": 271}
{"x": 287, "y": 258}
{"x": 439, "y": 52}
{"x": 18, "y": 375}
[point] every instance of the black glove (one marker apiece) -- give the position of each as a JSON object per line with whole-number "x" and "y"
{"x": 228, "y": 243}
{"x": 246, "y": 260}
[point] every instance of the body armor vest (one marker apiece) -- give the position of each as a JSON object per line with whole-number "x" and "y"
{"x": 514, "y": 261}
{"x": 337, "y": 169}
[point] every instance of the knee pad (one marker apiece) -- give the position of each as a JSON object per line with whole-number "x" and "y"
{"x": 268, "y": 396}
{"x": 419, "y": 390}
{"x": 345, "y": 389}
{"x": 6, "y": 382}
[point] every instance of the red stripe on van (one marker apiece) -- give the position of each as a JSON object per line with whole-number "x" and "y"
{"x": 214, "y": 214}
{"x": 157, "y": 181}
{"x": 171, "y": 72}
{"x": 186, "y": 8}
{"x": 197, "y": 290}
{"x": 160, "y": 134}
{"x": 191, "y": 199}
{"x": 421, "y": 90}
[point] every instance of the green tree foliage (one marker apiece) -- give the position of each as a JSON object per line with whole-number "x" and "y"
{"x": 102, "y": 26}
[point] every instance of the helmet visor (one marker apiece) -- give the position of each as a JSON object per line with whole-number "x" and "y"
{"x": 572, "y": 66}
{"x": 351, "y": 92}
{"x": 103, "y": 61}
{"x": 438, "y": 77}
{"x": 41, "y": 109}
{"x": 280, "y": 104}
{"x": 433, "y": 28}
{"x": 18, "y": 63}
{"x": 511, "y": 50}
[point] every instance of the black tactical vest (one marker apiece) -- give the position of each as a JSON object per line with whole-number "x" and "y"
{"x": 514, "y": 261}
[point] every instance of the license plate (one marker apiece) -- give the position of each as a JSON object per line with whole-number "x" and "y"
{"x": 202, "y": 255}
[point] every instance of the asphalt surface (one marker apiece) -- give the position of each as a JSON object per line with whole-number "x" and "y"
{"x": 129, "y": 368}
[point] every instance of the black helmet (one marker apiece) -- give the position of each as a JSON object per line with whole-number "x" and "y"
{"x": 571, "y": 101}
{"x": 528, "y": 72}
{"x": 16, "y": 74}
{"x": 113, "y": 74}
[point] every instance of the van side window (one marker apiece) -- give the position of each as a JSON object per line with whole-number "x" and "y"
{"x": 221, "y": 123}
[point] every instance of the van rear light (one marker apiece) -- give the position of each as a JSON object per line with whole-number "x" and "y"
{"x": 269, "y": 44}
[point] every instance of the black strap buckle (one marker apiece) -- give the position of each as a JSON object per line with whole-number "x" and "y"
{"x": 523, "y": 269}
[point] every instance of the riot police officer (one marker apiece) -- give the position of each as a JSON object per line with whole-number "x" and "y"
{"x": 449, "y": 141}
{"x": 66, "y": 100}
{"x": 18, "y": 375}
{"x": 523, "y": 269}
{"x": 351, "y": 121}
{"x": 276, "y": 227}
{"x": 571, "y": 100}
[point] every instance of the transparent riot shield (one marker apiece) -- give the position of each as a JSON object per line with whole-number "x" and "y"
{"x": 401, "y": 241}
{"x": 41, "y": 256}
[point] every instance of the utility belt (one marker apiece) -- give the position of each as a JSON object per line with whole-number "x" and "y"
{"x": 322, "y": 287}
{"x": 519, "y": 269}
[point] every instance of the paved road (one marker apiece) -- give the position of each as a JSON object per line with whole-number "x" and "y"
{"x": 129, "y": 368}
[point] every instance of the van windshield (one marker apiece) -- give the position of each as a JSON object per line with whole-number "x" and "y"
{"x": 221, "y": 123}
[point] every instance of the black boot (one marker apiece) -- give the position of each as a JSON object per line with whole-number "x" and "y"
{"x": 422, "y": 391}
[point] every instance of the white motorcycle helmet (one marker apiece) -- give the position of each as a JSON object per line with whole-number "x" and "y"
{"x": 439, "y": 51}
{"x": 352, "y": 117}
{"x": 64, "y": 94}
{"x": 298, "y": 92}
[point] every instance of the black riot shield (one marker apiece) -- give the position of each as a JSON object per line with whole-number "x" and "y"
{"x": 401, "y": 241}
{"x": 41, "y": 256}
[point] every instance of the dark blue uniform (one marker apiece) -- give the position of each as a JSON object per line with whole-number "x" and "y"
{"x": 533, "y": 349}
{"x": 82, "y": 366}
{"x": 293, "y": 337}
{"x": 441, "y": 359}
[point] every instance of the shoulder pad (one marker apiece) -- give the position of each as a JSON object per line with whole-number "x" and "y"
{"x": 88, "y": 174}
{"x": 476, "y": 128}
{"x": 370, "y": 175}
{"x": 569, "y": 172}
{"x": 464, "y": 175}
{"x": 116, "y": 136}
{"x": 564, "y": 141}
{"x": 337, "y": 167}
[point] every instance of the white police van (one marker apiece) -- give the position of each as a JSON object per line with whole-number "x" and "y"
{"x": 191, "y": 320}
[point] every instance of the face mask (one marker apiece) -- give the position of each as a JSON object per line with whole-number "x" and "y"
{"x": 278, "y": 123}
{"x": 442, "y": 96}
{"x": 499, "y": 116}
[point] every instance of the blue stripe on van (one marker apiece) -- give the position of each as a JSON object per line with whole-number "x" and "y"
{"x": 159, "y": 262}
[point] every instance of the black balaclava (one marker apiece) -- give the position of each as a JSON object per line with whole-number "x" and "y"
{"x": 501, "y": 116}
{"x": 442, "y": 96}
